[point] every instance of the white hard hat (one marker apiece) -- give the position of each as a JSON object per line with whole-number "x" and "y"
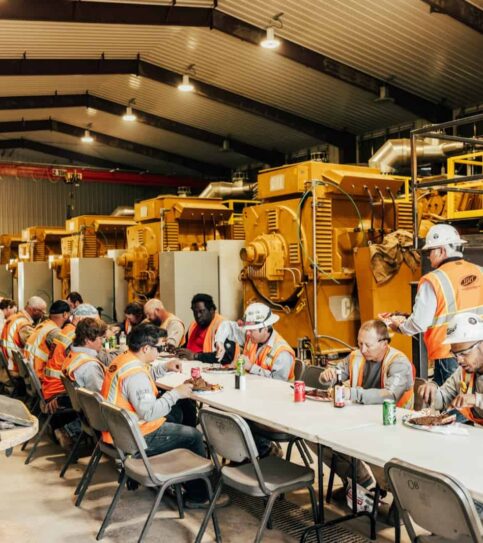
{"x": 440, "y": 235}
{"x": 463, "y": 328}
{"x": 257, "y": 316}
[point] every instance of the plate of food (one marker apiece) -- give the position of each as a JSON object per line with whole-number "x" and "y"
{"x": 200, "y": 386}
{"x": 442, "y": 423}
{"x": 219, "y": 369}
{"x": 319, "y": 395}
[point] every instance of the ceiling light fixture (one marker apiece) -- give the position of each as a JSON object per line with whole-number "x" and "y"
{"x": 225, "y": 146}
{"x": 270, "y": 41}
{"x": 384, "y": 96}
{"x": 87, "y": 138}
{"x": 186, "y": 85}
{"x": 129, "y": 116}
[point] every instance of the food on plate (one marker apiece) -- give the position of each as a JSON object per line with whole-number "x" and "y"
{"x": 217, "y": 369}
{"x": 322, "y": 394}
{"x": 200, "y": 385}
{"x": 433, "y": 420}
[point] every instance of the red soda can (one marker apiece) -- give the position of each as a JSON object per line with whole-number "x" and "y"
{"x": 299, "y": 391}
{"x": 195, "y": 373}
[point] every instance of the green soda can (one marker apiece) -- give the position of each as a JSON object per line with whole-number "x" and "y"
{"x": 389, "y": 412}
{"x": 112, "y": 342}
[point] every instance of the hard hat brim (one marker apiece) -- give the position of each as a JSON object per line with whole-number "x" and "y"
{"x": 272, "y": 319}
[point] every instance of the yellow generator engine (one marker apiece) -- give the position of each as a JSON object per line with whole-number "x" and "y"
{"x": 169, "y": 223}
{"x": 299, "y": 250}
{"x": 91, "y": 236}
{"x": 39, "y": 243}
{"x": 9, "y": 247}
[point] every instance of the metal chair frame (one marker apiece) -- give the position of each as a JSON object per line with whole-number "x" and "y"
{"x": 138, "y": 447}
{"x": 247, "y": 450}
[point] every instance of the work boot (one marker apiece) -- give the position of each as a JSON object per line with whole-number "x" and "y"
{"x": 64, "y": 439}
{"x": 222, "y": 501}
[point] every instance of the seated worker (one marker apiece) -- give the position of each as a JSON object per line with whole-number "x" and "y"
{"x": 463, "y": 390}
{"x": 375, "y": 372}
{"x": 133, "y": 315}
{"x": 74, "y": 299}
{"x": 40, "y": 343}
{"x": 129, "y": 385}
{"x": 19, "y": 327}
{"x": 264, "y": 350}
{"x": 8, "y": 308}
{"x": 157, "y": 314}
{"x": 51, "y": 384}
{"x": 82, "y": 365}
{"x": 200, "y": 338}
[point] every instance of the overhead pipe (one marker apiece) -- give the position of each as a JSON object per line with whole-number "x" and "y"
{"x": 227, "y": 189}
{"x": 398, "y": 151}
{"x": 123, "y": 211}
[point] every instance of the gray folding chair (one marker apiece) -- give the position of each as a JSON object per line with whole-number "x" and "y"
{"x": 311, "y": 376}
{"x": 90, "y": 403}
{"x": 32, "y": 396}
{"x": 86, "y": 431}
{"x": 436, "y": 502}
{"x": 299, "y": 369}
{"x": 228, "y": 435}
{"x": 43, "y": 414}
{"x": 159, "y": 472}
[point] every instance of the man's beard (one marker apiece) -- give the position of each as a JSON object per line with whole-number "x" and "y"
{"x": 156, "y": 321}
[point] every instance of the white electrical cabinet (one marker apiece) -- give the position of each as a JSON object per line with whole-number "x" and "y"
{"x": 120, "y": 284}
{"x": 34, "y": 279}
{"x": 6, "y": 283}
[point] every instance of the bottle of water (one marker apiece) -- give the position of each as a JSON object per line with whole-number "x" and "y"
{"x": 122, "y": 339}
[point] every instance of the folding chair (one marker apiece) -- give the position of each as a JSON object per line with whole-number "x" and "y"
{"x": 32, "y": 396}
{"x": 228, "y": 435}
{"x": 10, "y": 388}
{"x": 160, "y": 471}
{"x": 86, "y": 431}
{"x": 90, "y": 403}
{"x": 299, "y": 369}
{"x": 43, "y": 414}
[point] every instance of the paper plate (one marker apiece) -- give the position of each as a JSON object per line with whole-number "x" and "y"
{"x": 220, "y": 371}
{"x": 208, "y": 391}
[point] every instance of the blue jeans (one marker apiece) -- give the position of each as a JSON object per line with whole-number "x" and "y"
{"x": 172, "y": 436}
{"x": 444, "y": 368}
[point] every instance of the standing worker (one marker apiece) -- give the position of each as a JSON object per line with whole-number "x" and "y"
{"x": 453, "y": 286}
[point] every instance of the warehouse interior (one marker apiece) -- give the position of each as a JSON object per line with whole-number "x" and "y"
{"x": 301, "y": 157}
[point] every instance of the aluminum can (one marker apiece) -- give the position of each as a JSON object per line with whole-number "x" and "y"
{"x": 389, "y": 412}
{"x": 299, "y": 391}
{"x": 240, "y": 366}
{"x": 112, "y": 342}
{"x": 195, "y": 373}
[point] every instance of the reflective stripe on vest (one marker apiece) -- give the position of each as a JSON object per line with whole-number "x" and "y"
{"x": 75, "y": 360}
{"x": 120, "y": 368}
{"x": 458, "y": 287}
{"x": 269, "y": 353}
{"x": 11, "y": 340}
{"x": 66, "y": 337}
{"x": 50, "y": 372}
{"x": 356, "y": 374}
{"x": 209, "y": 340}
{"x": 37, "y": 348}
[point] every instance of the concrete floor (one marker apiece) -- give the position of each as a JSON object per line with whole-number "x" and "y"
{"x": 37, "y": 506}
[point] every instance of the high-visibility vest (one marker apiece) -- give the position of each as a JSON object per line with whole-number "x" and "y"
{"x": 75, "y": 360}
{"x": 269, "y": 353}
{"x": 36, "y": 350}
{"x": 127, "y": 326}
{"x": 469, "y": 379}
{"x": 121, "y": 367}
{"x": 10, "y": 339}
{"x": 458, "y": 286}
{"x": 356, "y": 374}
{"x": 164, "y": 325}
{"x": 209, "y": 340}
{"x": 51, "y": 384}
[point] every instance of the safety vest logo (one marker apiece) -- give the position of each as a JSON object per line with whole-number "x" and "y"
{"x": 112, "y": 368}
{"x": 466, "y": 281}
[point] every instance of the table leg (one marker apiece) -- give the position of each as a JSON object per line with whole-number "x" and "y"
{"x": 320, "y": 474}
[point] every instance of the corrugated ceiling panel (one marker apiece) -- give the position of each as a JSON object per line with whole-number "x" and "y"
{"x": 135, "y": 131}
{"x": 429, "y": 54}
{"x": 98, "y": 150}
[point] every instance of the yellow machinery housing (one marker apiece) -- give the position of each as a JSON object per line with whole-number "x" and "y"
{"x": 90, "y": 236}
{"x": 9, "y": 247}
{"x": 299, "y": 250}
{"x": 170, "y": 223}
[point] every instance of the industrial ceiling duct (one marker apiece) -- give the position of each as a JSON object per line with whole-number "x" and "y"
{"x": 396, "y": 152}
{"x": 123, "y": 211}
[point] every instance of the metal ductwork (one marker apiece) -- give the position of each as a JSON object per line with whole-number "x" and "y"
{"x": 398, "y": 151}
{"x": 227, "y": 189}
{"x": 123, "y": 211}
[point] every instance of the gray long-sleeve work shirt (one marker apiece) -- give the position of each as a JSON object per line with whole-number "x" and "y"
{"x": 90, "y": 375}
{"x": 399, "y": 379}
{"x": 451, "y": 388}
{"x": 138, "y": 390}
